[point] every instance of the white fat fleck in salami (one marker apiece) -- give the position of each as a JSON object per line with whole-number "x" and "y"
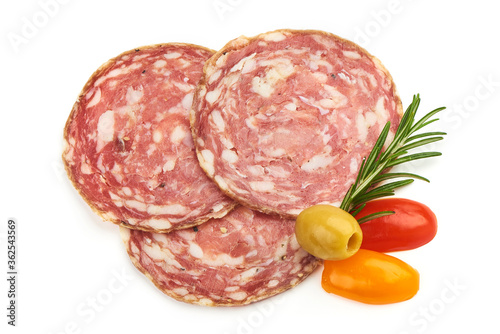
{"x": 128, "y": 144}
{"x": 241, "y": 258}
{"x": 280, "y": 120}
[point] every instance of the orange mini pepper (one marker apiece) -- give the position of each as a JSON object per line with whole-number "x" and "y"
{"x": 371, "y": 277}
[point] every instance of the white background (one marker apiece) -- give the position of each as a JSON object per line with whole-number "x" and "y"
{"x": 74, "y": 274}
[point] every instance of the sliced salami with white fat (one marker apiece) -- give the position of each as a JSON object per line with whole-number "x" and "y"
{"x": 241, "y": 258}
{"x": 128, "y": 144}
{"x": 282, "y": 120}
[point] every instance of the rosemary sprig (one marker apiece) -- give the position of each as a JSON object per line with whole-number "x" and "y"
{"x": 373, "y": 168}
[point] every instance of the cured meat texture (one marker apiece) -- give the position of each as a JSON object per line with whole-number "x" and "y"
{"x": 128, "y": 144}
{"x": 241, "y": 258}
{"x": 282, "y": 121}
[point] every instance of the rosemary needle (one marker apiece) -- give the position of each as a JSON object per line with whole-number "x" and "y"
{"x": 373, "y": 169}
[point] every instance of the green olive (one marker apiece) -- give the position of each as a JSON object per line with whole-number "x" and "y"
{"x": 328, "y": 232}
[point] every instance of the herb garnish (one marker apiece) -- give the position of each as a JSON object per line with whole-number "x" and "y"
{"x": 371, "y": 172}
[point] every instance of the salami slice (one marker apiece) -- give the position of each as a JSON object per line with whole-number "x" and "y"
{"x": 241, "y": 258}
{"x": 128, "y": 144}
{"x": 282, "y": 120}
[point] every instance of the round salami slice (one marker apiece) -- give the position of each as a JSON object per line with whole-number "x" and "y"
{"x": 282, "y": 120}
{"x": 128, "y": 144}
{"x": 241, "y": 258}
